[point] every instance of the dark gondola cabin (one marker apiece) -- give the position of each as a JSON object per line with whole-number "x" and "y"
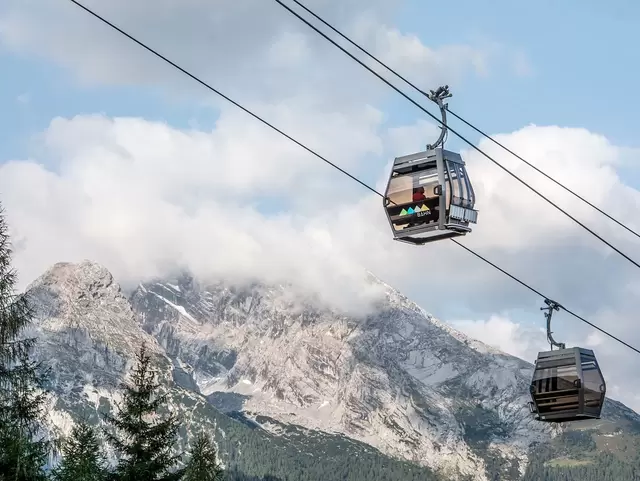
{"x": 567, "y": 385}
{"x": 429, "y": 197}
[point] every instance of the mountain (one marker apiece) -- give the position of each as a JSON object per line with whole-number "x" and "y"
{"x": 88, "y": 335}
{"x": 395, "y": 394}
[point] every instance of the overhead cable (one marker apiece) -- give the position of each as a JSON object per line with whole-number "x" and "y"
{"x": 471, "y": 144}
{"x": 186, "y": 72}
{"x": 568, "y": 311}
{"x": 469, "y": 124}
{"x": 313, "y": 152}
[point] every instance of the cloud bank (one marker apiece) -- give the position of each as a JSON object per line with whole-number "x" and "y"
{"x": 238, "y": 201}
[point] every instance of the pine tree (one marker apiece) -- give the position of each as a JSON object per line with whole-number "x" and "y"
{"x": 202, "y": 465}
{"x": 22, "y": 398}
{"x": 82, "y": 457}
{"x": 142, "y": 443}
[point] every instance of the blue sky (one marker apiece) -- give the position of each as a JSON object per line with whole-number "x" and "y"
{"x": 585, "y": 66}
{"x": 583, "y": 74}
{"x": 53, "y": 91}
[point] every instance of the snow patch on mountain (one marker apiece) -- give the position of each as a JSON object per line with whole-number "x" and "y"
{"x": 396, "y": 378}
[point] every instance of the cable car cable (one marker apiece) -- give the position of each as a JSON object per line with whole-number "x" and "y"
{"x": 609, "y": 216}
{"x": 221, "y": 94}
{"x": 373, "y": 57}
{"x": 330, "y": 163}
{"x": 522, "y": 283}
{"x": 591, "y": 231}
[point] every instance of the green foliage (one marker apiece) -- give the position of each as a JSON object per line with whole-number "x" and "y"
{"x": 203, "y": 464}
{"x": 21, "y": 459}
{"x": 82, "y": 457}
{"x": 305, "y": 455}
{"x": 23, "y": 454}
{"x": 579, "y": 440}
{"x": 142, "y": 443}
{"x": 574, "y": 456}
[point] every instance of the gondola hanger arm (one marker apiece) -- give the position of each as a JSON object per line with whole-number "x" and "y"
{"x": 551, "y": 306}
{"x": 438, "y": 97}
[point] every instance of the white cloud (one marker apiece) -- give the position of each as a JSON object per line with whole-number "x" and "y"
{"x": 251, "y": 49}
{"x": 413, "y": 59}
{"x": 116, "y": 178}
{"x": 525, "y": 342}
{"x": 500, "y": 332}
{"x": 142, "y": 197}
{"x": 157, "y": 156}
{"x": 582, "y": 161}
{"x": 148, "y": 194}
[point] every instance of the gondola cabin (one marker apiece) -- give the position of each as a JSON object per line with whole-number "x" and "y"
{"x": 429, "y": 197}
{"x": 567, "y": 385}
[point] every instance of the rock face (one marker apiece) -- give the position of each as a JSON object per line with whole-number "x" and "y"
{"x": 82, "y": 309}
{"x": 398, "y": 380}
{"x": 88, "y": 336}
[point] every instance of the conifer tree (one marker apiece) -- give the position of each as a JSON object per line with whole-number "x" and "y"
{"x": 142, "y": 442}
{"x": 83, "y": 459}
{"x": 22, "y": 455}
{"x": 203, "y": 465}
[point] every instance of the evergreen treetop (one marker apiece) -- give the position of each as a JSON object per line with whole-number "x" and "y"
{"x": 82, "y": 457}
{"x": 22, "y": 397}
{"x": 143, "y": 442}
{"x": 203, "y": 464}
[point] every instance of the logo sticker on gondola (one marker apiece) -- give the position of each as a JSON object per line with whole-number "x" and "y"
{"x": 415, "y": 210}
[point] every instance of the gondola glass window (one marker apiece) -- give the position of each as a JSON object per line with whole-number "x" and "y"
{"x": 461, "y": 191}
{"x": 429, "y": 197}
{"x": 593, "y": 384}
{"x": 567, "y": 385}
{"x": 563, "y": 381}
{"x": 415, "y": 198}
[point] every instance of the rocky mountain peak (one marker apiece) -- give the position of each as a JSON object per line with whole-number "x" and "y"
{"x": 85, "y": 276}
{"x": 394, "y": 378}
{"x": 86, "y": 319}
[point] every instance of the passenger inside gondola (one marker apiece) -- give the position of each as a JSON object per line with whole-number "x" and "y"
{"x": 412, "y": 200}
{"x": 418, "y": 194}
